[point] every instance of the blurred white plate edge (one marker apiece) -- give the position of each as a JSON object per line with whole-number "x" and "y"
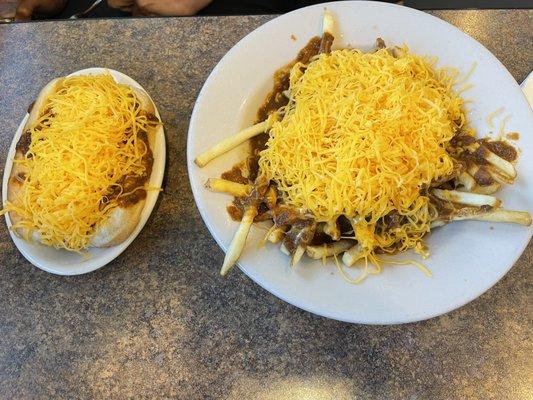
{"x": 527, "y": 88}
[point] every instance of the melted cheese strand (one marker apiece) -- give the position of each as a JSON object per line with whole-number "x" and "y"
{"x": 494, "y": 114}
{"x": 84, "y": 143}
{"x": 364, "y": 135}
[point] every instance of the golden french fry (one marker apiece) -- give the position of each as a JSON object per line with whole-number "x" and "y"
{"x": 436, "y": 223}
{"x": 473, "y": 169}
{"x": 495, "y": 175}
{"x": 490, "y": 189}
{"x": 502, "y": 165}
{"x": 327, "y": 23}
{"x": 332, "y": 229}
{"x": 352, "y": 255}
{"x": 467, "y": 181}
{"x": 239, "y": 240}
{"x": 498, "y": 215}
{"x": 466, "y": 198}
{"x": 498, "y": 176}
{"x": 297, "y": 256}
{"x": 284, "y": 249}
{"x": 328, "y": 250}
{"x": 225, "y": 186}
{"x": 472, "y": 147}
{"x": 480, "y": 214}
{"x": 231, "y": 142}
{"x": 276, "y": 235}
{"x": 271, "y": 197}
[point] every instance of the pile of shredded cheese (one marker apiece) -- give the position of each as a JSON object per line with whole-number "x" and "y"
{"x": 363, "y": 135}
{"x": 84, "y": 142}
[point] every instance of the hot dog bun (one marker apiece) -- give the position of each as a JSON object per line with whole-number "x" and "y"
{"x": 123, "y": 220}
{"x": 18, "y": 171}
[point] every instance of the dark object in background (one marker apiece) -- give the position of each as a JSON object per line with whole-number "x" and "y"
{"x": 236, "y": 7}
{"x": 243, "y": 7}
{"x": 102, "y": 10}
{"x": 462, "y": 4}
{"x": 217, "y": 7}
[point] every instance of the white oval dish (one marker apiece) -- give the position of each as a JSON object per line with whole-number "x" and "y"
{"x": 467, "y": 257}
{"x": 63, "y": 262}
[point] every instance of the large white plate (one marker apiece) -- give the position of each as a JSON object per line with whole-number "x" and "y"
{"x": 63, "y": 262}
{"x": 467, "y": 258}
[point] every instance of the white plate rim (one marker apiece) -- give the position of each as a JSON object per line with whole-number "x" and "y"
{"x": 111, "y": 253}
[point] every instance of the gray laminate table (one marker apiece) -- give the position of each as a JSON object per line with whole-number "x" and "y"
{"x": 160, "y": 322}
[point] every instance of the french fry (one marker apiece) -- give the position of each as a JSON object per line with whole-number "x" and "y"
{"x": 331, "y": 228}
{"x": 231, "y": 142}
{"x": 473, "y": 169}
{"x": 494, "y": 174}
{"x": 276, "y": 235}
{"x": 239, "y": 240}
{"x": 297, "y": 256}
{"x": 328, "y": 250}
{"x": 327, "y": 23}
{"x": 352, "y": 255}
{"x": 466, "y": 180}
{"x": 479, "y": 175}
{"x": 466, "y": 198}
{"x": 284, "y": 249}
{"x": 271, "y": 197}
{"x": 472, "y": 147}
{"x": 490, "y": 189}
{"x": 225, "y": 186}
{"x": 501, "y": 164}
{"x": 437, "y": 223}
{"x": 478, "y": 214}
{"x": 498, "y": 176}
{"x": 498, "y": 215}
{"x": 320, "y": 227}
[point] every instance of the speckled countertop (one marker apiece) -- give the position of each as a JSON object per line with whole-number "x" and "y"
{"x": 158, "y": 322}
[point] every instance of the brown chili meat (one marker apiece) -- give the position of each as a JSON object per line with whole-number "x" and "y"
{"x": 133, "y": 189}
{"x": 275, "y": 99}
{"x": 483, "y": 177}
{"x": 502, "y": 149}
{"x": 24, "y": 142}
{"x": 235, "y": 175}
{"x": 300, "y": 234}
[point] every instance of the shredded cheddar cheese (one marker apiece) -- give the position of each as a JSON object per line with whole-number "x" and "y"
{"x": 364, "y": 135}
{"x": 84, "y": 143}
